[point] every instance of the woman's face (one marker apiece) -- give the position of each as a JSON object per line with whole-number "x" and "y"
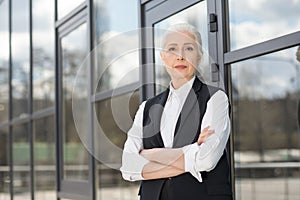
{"x": 181, "y": 55}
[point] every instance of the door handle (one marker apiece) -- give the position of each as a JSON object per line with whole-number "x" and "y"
{"x": 298, "y": 114}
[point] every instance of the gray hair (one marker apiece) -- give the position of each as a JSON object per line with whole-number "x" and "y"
{"x": 186, "y": 28}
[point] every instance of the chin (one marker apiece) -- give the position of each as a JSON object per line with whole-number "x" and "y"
{"x": 183, "y": 76}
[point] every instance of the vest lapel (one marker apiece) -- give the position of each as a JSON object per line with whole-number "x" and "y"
{"x": 152, "y": 136}
{"x": 188, "y": 125}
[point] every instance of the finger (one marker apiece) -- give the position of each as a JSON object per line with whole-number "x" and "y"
{"x": 204, "y": 135}
{"x": 206, "y": 128}
{"x": 199, "y": 141}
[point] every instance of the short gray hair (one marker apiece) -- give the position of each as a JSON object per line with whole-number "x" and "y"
{"x": 186, "y": 28}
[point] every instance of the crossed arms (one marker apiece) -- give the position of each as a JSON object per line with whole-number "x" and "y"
{"x": 141, "y": 164}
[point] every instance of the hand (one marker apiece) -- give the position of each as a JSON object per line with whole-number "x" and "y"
{"x": 148, "y": 153}
{"x": 205, "y": 133}
{"x": 144, "y": 152}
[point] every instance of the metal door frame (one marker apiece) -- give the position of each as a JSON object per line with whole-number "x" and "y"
{"x": 73, "y": 189}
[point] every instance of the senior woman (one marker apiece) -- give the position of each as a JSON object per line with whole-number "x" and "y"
{"x": 176, "y": 145}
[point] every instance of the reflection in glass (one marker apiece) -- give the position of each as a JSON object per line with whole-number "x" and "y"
{"x": 74, "y": 51}
{"x": 114, "y": 117}
{"x": 4, "y": 164}
{"x": 116, "y": 44}
{"x": 21, "y": 160}
{"x": 266, "y": 96}
{"x": 195, "y": 15}
{"x": 44, "y": 158}
{"x": 257, "y": 21}
{"x": 64, "y": 7}
{"x": 4, "y": 58}
{"x": 43, "y": 53}
{"x": 20, "y": 57}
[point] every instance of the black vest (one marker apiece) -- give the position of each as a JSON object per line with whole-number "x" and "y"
{"x": 215, "y": 185}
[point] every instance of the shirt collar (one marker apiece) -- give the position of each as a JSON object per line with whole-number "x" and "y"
{"x": 183, "y": 91}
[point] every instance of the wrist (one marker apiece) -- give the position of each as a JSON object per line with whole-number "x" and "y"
{"x": 189, "y": 152}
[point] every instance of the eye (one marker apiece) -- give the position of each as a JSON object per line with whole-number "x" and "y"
{"x": 172, "y": 49}
{"x": 189, "y": 49}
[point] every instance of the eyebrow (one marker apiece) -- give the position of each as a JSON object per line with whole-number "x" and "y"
{"x": 175, "y": 44}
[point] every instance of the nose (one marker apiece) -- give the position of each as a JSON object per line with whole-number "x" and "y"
{"x": 180, "y": 55}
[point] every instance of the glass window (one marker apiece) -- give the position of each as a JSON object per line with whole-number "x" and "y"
{"x": 266, "y": 100}
{"x": 4, "y": 164}
{"x": 4, "y": 60}
{"x": 195, "y": 15}
{"x": 44, "y": 158}
{"x": 252, "y": 22}
{"x": 116, "y": 44}
{"x": 64, "y": 7}
{"x": 21, "y": 162}
{"x": 75, "y": 91}
{"x": 114, "y": 117}
{"x": 43, "y": 53}
{"x": 20, "y": 57}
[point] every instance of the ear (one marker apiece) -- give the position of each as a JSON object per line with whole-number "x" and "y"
{"x": 200, "y": 56}
{"x": 162, "y": 56}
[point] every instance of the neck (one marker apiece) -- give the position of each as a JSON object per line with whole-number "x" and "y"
{"x": 177, "y": 83}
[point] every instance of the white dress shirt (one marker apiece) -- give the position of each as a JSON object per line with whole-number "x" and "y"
{"x": 172, "y": 111}
{"x": 197, "y": 158}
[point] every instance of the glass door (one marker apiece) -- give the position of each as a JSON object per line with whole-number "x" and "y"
{"x": 74, "y": 132}
{"x": 266, "y": 96}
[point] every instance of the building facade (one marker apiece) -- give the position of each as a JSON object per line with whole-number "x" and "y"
{"x": 73, "y": 73}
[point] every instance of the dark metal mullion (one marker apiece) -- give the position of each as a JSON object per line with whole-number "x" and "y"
{"x": 144, "y": 1}
{"x": 90, "y": 78}
{"x": 72, "y": 24}
{"x": 57, "y": 108}
{"x": 69, "y": 16}
{"x": 166, "y": 9}
{"x": 43, "y": 113}
{"x": 222, "y": 39}
{"x": 213, "y": 41}
{"x": 152, "y": 4}
{"x": 262, "y": 48}
{"x": 115, "y": 92}
{"x": 141, "y": 25}
{"x": 60, "y": 33}
{"x": 19, "y": 120}
{"x": 36, "y": 115}
{"x": 65, "y": 187}
{"x": 58, "y": 102}
{"x": 10, "y": 114}
{"x": 146, "y": 57}
{"x": 223, "y": 47}
{"x": 30, "y": 105}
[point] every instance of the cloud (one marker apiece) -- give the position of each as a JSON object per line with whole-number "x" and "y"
{"x": 256, "y": 21}
{"x": 275, "y": 74}
{"x": 264, "y": 10}
{"x": 43, "y": 16}
{"x": 250, "y": 32}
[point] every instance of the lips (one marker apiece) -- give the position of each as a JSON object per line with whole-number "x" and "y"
{"x": 180, "y": 66}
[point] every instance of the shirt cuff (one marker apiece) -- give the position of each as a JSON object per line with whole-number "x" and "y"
{"x": 132, "y": 166}
{"x": 132, "y": 177}
{"x": 190, "y": 152}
